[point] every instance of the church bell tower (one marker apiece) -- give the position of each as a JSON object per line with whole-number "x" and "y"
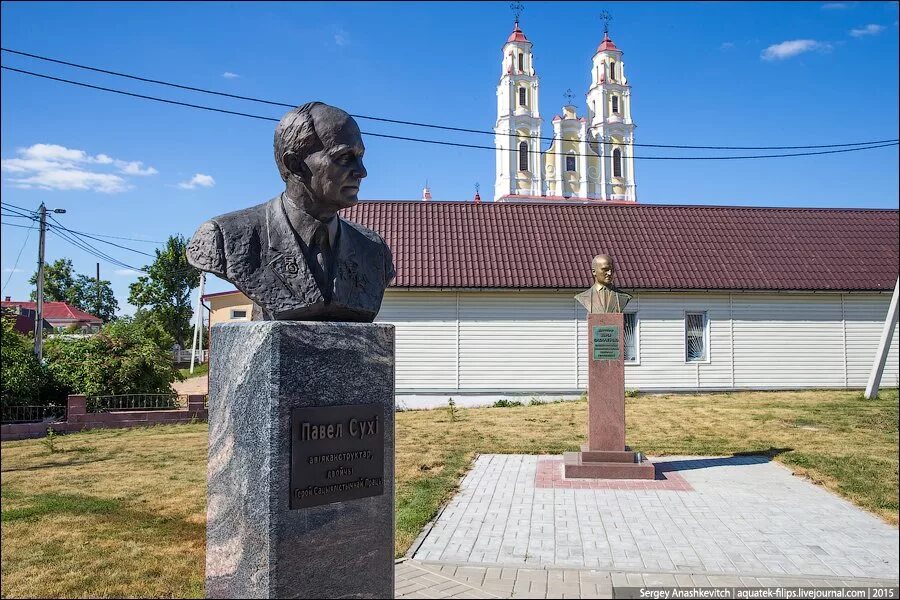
{"x": 518, "y": 128}
{"x": 611, "y": 127}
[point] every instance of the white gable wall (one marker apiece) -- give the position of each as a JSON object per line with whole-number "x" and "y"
{"x": 478, "y": 347}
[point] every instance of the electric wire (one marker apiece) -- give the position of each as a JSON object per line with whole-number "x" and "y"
{"x": 445, "y": 143}
{"x": 18, "y": 256}
{"x": 77, "y": 241}
{"x": 413, "y": 123}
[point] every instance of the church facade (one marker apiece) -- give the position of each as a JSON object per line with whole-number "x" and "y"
{"x": 589, "y": 157}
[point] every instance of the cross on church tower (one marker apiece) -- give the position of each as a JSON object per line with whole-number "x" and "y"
{"x": 606, "y": 18}
{"x": 569, "y": 95}
{"x": 517, "y": 8}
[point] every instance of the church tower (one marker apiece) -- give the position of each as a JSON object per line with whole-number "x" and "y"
{"x": 518, "y": 128}
{"x": 611, "y": 128}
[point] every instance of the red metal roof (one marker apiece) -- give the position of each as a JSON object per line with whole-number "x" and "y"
{"x": 607, "y": 44}
{"x": 56, "y": 311}
{"x": 550, "y": 245}
{"x": 516, "y": 35}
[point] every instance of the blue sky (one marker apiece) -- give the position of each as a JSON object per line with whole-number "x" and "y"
{"x": 744, "y": 74}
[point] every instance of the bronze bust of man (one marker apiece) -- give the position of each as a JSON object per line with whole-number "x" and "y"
{"x": 293, "y": 256}
{"x": 603, "y": 297}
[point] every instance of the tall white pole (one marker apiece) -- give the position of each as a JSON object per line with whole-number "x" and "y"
{"x": 884, "y": 346}
{"x": 198, "y": 321}
{"x": 39, "y": 312}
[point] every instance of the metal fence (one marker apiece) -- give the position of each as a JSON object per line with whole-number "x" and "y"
{"x": 184, "y": 356}
{"x": 31, "y": 414}
{"x": 98, "y": 404}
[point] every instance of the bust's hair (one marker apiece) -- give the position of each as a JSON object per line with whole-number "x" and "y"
{"x": 296, "y": 132}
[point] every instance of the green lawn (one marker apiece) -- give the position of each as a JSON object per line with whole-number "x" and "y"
{"x": 201, "y": 369}
{"x": 122, "y": 512}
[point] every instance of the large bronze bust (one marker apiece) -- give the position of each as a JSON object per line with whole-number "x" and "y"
{"x": 603, "y": 296}
{"x": 293, "y": 256}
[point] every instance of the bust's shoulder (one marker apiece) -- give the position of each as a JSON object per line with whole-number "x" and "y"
{"x": 206, "y": 250}
{"x": 367, "y": 234}
{"x": 238, "y": 221}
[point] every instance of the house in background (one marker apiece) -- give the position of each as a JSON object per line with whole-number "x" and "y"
{"x": 61, "y": 316}
{"x": 23, "y": 320}
{"x": 725, "y": 298}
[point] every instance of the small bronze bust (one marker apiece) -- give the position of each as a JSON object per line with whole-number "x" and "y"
{"x": 603, "y": 297}
{"x": 293, "y": 256}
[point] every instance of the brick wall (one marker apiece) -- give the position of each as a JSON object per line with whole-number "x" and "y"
{"x": 78, "y": 419}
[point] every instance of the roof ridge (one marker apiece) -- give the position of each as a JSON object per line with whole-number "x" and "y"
{"x": 591, "y": 204}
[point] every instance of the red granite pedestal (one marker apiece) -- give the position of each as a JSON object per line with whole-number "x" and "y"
{"x": 605, "y": 456}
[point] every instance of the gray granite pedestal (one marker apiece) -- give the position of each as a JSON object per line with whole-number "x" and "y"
{"x": 301, "y": 425}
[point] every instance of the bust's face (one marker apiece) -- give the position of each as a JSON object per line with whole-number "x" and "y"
{"x": 603, "y": 271}
{"x": 337, "y": 169}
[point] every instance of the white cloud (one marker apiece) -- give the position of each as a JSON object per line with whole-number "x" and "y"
{"x": 198, "y": 180}
{"x": 870, "y": 29}
{"x": 341, "y": 37}
{"x": 835, "y": 6}
{"x": 55, "y": 167}
{"x": 12, "y": 270}
{"x": 726, "y": 46}
{"x": 230, "y": 75}
{"x": 127, "y": 272}
{"x": 793, "y": 48}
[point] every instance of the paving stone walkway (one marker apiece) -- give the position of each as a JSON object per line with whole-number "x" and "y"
{"x": 518, "y": 528}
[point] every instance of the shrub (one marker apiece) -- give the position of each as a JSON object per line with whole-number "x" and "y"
{"x": 506, "y": 403}
{"x": 24, "y": 380}
{"x": 126, "y": 357}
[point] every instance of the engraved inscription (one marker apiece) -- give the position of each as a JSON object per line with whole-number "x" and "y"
{"x": 605, "y": 342}
{"x": 337, "y": 454}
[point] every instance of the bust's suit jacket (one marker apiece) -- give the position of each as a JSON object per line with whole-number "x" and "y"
{"x": 257, "y": 250}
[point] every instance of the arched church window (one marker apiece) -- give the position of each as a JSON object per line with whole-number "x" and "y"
{"x": 617, "y": 163}
{"x": 523, "y": 156}
{"x": 570, "y": 164}
{"x": 522, "y": 96}
{"x": 615, "y": 104}
{"x": 521, "y": 62}
{"x": 612, "y": 70}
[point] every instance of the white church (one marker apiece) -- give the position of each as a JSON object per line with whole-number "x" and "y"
{"x": 725, "y": 297}
{"x": 589, "y": 158}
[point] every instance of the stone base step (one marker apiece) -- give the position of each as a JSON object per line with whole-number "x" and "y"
{"x": 575, "y": 467}
{"x": 621, "y": 456}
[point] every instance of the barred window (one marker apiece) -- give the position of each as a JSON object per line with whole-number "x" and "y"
{"x": 615, "y": 104}
{"x": 521, "y": 62}
{"x": 522, "y": 96}
{"x": 631, "y": 348}
{"x": 696, "y": 327}
{"x": 612, "y": 70}
{"x": 570, "y": 163}
{"x": 523, "y": 156}
{"x": 617, "y": 163}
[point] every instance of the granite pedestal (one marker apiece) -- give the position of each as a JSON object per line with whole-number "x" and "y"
{"x": 301, "y": 425}
{"x": 605, "y": 456}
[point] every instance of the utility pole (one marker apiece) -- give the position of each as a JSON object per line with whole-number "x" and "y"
{"x": 39, "y": 316}
{"x": 884, "y": 345}
{"x": 98, "y": 290}
{"x": 39, "y": 313}
{"x": 198, "y": 324}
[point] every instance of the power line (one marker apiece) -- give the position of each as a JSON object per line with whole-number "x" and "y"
{"x": 104, "y": 241}
{"x": 18, "y": 256}
{"x": 16, "y": 225}
{"x": 19, "y": 207}
{"x": 444, "y": 143}
{"x": 85, "y": 233}
{"x": 78, "y": 242}
{"x": 412, "y": 123}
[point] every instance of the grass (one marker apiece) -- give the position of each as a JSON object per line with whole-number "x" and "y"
{"x": 200, "y": 369}
{"x": 122, "y": 512}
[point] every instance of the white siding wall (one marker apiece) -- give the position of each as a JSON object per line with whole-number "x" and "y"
{"x": 480, "y": 342}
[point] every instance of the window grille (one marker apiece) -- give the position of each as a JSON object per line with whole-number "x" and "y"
{"x": 521, "y": 62}
{"x": 522, "y": 93}
{"x": 617, "y": 163}
{"x": 631, "y": 337}
{"x": 615, "y": 104}
{"x": 570, "y": 163}
{"x": 695, "y": 337}
{"x": 523, "y": 156}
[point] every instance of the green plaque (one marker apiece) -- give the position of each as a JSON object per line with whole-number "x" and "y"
{"x": 605, "y": 342}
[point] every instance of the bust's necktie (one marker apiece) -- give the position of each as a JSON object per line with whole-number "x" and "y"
{"x": 323, "y": 254}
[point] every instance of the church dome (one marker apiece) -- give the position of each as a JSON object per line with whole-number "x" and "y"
{"x": 516, "y": 35}
{"x": 607, "y": 44}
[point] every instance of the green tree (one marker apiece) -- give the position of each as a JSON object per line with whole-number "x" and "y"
{"x": 21, "y": 374}
{"x": 83, "y": 295}
{"x": 126, "y": 357}
{"x": 165, "y": 292}
{"x": 59, "y": 278}
{"x": 61, "y": 284}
